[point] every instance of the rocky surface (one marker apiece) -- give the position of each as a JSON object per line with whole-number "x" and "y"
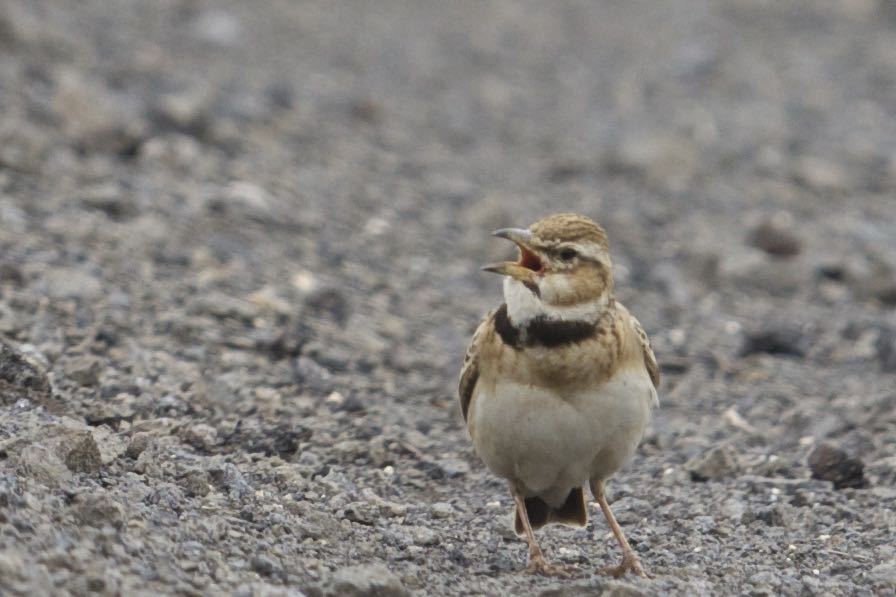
{"x": 239, "y": 264}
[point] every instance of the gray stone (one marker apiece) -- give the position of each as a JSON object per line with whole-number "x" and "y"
{"x": 111, "y": 445}
{"x": 882, "y": 471}
{"x": 119, "y": 408}
{"x": 775, "y": 236}
{"x": 313, "y": 376}
{"x": 196, "y": 483}
{"x": 442, "y": 510}
{"x": 365, "y": 580}
{"x": 615, "y": 588}
{"x": 229, "y": 478}
{"x": 424, "y": 536}
{"x": 244, "y": 198}
{"x": 187, "y": 111}
{"x": 47, "y": 446}
{"x": 256, "y": 437}
{"x": 830, "y": 463}
{"x": 267, "y": 590}
{"x": 201, "y": 436}
{"x": 10, "y": 491}
{"x": 174, "y": 151}
{"x": 81, "y": 452}
{"x": 43, "y": 465}
{"x": 22, "y": 377}
{"x": 98, "y": 509}
{"x": 93, "y": 117}
{"x": 781, "y": 338}
{"x": 220, "y": 305}
{"x": 10, "y": 273}
{"x": 885, "y": 346}
{"x": 23, "y": 146}
{"x": 453, "y": 467}
{"x": 883, "y": 576}
{"x": 571, "y": 589}
{"x": 328, "y": 302}
{"x": 361, "y": 513}
{"x": 139, "y": 442}
{"x": 85, "y": 370}
{"x": 12, "y": 565}
{"x": 716, "y": 463}
{"x": 110, "y": 199}
{"x": 821, "y": 175}
{"x": 71, "y": 283}
{"x": 263, "y": 565}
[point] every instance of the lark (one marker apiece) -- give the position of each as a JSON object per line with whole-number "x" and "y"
{"x": 559, "y": 382}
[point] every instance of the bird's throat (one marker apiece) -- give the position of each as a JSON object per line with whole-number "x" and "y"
{"x": 525, "y": 306}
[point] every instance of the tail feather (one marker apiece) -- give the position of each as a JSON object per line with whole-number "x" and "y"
{"x": 573, "y": 512}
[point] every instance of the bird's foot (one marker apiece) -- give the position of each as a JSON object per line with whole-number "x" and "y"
{"x": 630, "y": 563}
{"x": 539, "y": 565}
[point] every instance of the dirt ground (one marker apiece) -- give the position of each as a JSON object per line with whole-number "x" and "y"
{"x": 239, "y": 265}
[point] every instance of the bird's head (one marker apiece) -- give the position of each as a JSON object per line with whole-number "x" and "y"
{"x": 563, "y": 270}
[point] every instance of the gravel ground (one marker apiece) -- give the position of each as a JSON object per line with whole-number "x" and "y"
{"x": 239, "y": 252}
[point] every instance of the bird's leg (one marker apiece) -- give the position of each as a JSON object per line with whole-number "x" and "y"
{"x": 537, "y": 562}
{"x": 630, "y": 562}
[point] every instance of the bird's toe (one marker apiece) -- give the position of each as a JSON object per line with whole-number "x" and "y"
{"x": 630, "y": 563}
{"x": 542, "y": 567}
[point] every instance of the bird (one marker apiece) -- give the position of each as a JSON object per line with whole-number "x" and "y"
{"x": 559, "y": 382}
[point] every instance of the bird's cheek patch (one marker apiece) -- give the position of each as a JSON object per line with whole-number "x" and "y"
{"x": 559, "y": 289}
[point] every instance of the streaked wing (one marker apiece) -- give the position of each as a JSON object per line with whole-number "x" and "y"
{"x": 469, "y": 374}
{"x": 649, "y": 358}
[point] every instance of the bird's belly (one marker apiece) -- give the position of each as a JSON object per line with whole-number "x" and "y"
{"x": 547, "y": 444}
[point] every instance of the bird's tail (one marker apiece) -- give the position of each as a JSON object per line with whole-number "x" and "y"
{"x": 573, "y": 512}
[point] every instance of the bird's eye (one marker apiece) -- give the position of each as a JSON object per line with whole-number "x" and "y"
{"x": 568, "y": 254}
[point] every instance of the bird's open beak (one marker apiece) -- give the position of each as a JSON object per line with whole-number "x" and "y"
{"x": 529, "y": 263}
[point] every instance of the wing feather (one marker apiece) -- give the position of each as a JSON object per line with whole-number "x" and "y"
{"x": 649, "y": 358}
{"x": 469, "y": 373}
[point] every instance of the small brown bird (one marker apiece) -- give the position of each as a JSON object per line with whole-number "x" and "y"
{"x": 559, "y": 382}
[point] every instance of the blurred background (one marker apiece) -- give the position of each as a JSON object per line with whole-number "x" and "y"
{"x": 239, "y": 265}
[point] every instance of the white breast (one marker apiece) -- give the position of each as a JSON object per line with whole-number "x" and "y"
{"x": 547, "y": 444}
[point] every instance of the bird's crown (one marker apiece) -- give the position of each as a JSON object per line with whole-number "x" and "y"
{"x": 570, "y": 228}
